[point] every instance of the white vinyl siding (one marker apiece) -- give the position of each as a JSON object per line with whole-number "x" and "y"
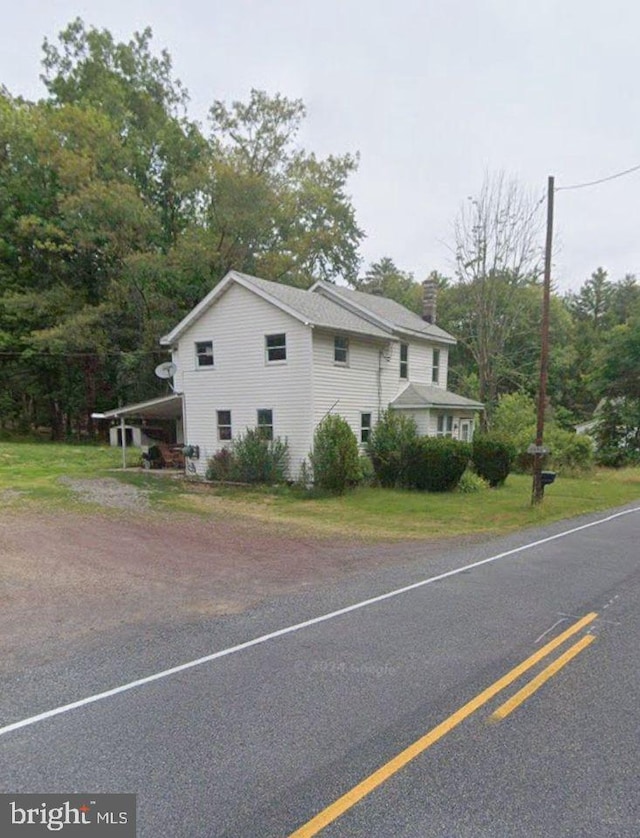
{"x": 350, "y": 390}
{"x": 241, "y": 381}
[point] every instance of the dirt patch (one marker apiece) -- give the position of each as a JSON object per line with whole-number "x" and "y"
{"x": 67, "y": 577}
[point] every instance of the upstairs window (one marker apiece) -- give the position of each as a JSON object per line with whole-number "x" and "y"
{"x": 435, "y": 368}
{"x": 341, "y": 350}
{"x": 276, "y": 346}
{"x": 224, "y": 424}
{"x": 404, "y": 360}
{"x": 204, "y": 353}
{"x": 265, "y": 423}
{"x": 365, "y": 427}
{"x": 445, "y": 425}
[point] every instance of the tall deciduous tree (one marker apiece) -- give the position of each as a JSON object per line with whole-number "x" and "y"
{"x": 385, "y": 278}
{"x": 272, "y": 208}
{"x": 497, "y": 254}
{"x": 117, "y": 214}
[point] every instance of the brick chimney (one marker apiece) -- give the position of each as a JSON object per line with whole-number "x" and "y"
{"x": 429, "y": 292}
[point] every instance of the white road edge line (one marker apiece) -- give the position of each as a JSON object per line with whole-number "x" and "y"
{"x": 83, "y": 702}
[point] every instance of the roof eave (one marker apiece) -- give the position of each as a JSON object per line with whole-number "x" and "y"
{"x": 215, "y": 293}
{"x": 437, "y": 405}
{"x": 449, "y": 339}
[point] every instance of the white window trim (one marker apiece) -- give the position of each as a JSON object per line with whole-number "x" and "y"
{"x": 346, "y": 348}
{"x": 405, "y": 363}
{"x": 364, "y": 413}
{"x": 200, "y": 366}
{"x": 230, "y": 426}
{"x": 443, "y": 419}
{"x": 263, "y": 424}
{"x": 435, "y": 368}
{"x": 278, "y": 361}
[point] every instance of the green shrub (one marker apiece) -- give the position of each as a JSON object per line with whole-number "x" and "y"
{"x": 437, "y": 463}
{"x": 259, "y": 460}
{"x": 568, "y": 451}
{"x": 389, "y": 447}
{"x": 221, "y": 466}
{"x": 335, "y": 455}
{"x": 367, "y": 474}
{"x": 492, "y": 458}
{"x": 514, "y": 413}
{"x": 471, "y": 482}
{"x": 617, "y": 457}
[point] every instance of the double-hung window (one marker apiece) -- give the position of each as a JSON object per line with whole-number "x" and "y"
{"x": 224, "y": 424}
{"x": 404, "y": 360}
{"x": 204, "y": 353}
{"x": 365, "y": 427}
{"x": 265, "y": 423}
{"x": 276, "y": 348}
{"x": 435, "y": 367}
{"x": 445, "y": 425}
{"x": 341, "y": 350}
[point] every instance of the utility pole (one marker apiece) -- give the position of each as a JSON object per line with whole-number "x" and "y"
{"x": 537, "y": 492}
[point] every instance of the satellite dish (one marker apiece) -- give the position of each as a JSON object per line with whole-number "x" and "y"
{"x": 166, "y": 370}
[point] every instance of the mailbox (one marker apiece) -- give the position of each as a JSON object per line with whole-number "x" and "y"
{"x": 191, "y": 451}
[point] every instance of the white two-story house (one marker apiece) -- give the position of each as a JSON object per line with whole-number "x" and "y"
{"x": 257, "y": 353}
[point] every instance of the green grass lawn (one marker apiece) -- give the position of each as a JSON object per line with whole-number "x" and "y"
{"x": 33, "y": 470}
{"x": 396, "y": 514}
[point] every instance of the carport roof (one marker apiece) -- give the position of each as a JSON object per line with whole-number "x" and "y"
{"x": 164, "y": 407}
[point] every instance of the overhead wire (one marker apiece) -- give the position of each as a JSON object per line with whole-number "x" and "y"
{"x": 600, "y": 180}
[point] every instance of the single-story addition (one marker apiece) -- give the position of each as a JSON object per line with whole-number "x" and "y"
{"x": 255, "y": 353}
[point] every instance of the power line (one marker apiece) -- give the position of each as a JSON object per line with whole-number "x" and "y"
{"x": 96, "y": 354}
{"x": 596, "y": 182}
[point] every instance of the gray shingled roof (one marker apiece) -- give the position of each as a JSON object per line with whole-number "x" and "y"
{"x": 389, "y": 310}
{"x": 316, "y": 308}
{"x": 425, "y": 395}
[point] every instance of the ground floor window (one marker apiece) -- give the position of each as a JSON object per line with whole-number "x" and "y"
{"x": 445, "y": 424}
{"x": 365, "y": 427}
{"x": 224, "y": 424}
{"x": 265, "y": 423}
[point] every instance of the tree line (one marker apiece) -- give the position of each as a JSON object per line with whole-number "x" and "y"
{"x": 118, "y": 213}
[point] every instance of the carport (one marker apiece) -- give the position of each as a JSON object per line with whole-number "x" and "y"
{"x": 167, "y": 409}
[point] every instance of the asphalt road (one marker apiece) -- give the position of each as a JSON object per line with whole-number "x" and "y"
{"x": 256, "y": 742}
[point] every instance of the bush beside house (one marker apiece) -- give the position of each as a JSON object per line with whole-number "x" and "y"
{"x": 437, "y": 464}
{"x": 390, "y": 445}
{"x": 492, "y": 459}
{"x": 252, "y": 458}
{"x": 335, "y": 458}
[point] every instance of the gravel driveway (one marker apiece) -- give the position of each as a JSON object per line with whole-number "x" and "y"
{"x": 67, "y": 577}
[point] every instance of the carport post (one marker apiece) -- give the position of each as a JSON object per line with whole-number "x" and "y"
{"x": 123, "y": 443}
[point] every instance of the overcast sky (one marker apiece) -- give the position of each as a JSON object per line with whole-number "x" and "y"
{"x": 432, "y": 93}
